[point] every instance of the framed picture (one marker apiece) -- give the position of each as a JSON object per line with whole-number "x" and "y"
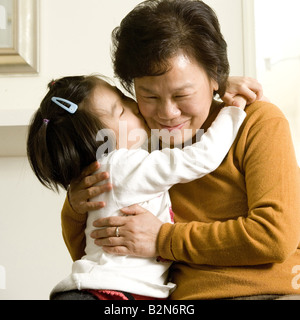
{"x": 19, "y": 32}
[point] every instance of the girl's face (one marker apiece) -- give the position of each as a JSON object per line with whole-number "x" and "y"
{"x": 119, "y": 113}
{"x": 178, "y": 100}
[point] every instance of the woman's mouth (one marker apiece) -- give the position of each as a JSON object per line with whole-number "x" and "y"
{"x": 173, "y": 127}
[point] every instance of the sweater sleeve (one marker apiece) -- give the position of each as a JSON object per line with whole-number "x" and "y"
{"x": 270, "y": 232}
{"x": 158, "y": 171}
{"x": 73, "y": 226}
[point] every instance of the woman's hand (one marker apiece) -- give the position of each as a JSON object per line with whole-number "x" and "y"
{"x": 249, "y": 88}
{"x": 136, "y": 234}
{"x": 83, "y": 188}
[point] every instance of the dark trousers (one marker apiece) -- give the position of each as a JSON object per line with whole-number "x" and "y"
{"x": 73, "y": 295}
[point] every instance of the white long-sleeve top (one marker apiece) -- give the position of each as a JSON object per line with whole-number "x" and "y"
{"x": 145, "y": 178}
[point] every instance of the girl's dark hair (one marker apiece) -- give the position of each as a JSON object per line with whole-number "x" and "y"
{"x": 157, "y": 30}
{"x": 61, "y": 144}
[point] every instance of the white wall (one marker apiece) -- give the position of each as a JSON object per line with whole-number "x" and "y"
{"x": 74, "y": 39}
{"x": 278, "y": 57}
{"x": 31, "y": 245}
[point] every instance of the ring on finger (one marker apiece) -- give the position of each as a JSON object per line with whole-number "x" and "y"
{"x": 117, "y": 232}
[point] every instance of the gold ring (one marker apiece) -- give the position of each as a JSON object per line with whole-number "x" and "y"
{"x": 117, "y": 232}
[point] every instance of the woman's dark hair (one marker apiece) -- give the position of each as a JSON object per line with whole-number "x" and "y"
{"x": 61, "y": 144}
{"x": 157, "y": 30}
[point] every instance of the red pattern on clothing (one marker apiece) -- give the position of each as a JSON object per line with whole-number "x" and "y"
{"x": 118, "y": 295}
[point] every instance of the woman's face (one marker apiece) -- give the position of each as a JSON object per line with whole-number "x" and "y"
{"x": 178, "y": 100}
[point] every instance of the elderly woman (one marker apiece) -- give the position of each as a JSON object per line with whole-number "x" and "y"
{"x": 237, "y": 230}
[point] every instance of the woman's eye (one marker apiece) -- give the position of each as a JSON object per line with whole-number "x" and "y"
{"x": 152, "y": 98}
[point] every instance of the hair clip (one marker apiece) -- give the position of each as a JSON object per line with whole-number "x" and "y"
{"x": 72, "y": 106}
{"x": 46, "y": 121}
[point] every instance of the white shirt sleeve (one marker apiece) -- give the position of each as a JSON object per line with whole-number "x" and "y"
{"x": 138, "y": 174}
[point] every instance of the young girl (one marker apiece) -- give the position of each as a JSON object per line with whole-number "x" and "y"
{"x": 75, "y": 113}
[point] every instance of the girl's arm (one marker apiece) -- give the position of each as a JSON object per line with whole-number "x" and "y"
{"x": 154, "y": 173}
{"x": 247, "y": 87}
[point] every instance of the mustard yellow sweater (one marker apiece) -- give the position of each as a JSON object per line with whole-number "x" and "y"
{"x": 237, "y": 230}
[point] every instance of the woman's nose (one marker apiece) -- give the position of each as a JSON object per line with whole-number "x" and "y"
{"x": 168, "y": 109}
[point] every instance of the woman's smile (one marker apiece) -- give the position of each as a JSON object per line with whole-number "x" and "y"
{"x": 173, "y": 126}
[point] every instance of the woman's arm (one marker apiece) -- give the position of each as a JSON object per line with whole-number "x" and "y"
{"x": 270, "y": 232}
{"x": 73, "y": 215}
{"x": 86, "y": 187}
{"x": 73, "y": 226}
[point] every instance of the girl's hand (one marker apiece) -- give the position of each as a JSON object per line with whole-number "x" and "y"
{"x": 240, "y": 102}
{"x": 83, "y": 188}
{"x": 137, "y": 229}
{"x": 249, "y": 88}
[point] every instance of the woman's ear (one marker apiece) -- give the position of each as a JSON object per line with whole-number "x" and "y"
{"x": 214, "y": 85}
